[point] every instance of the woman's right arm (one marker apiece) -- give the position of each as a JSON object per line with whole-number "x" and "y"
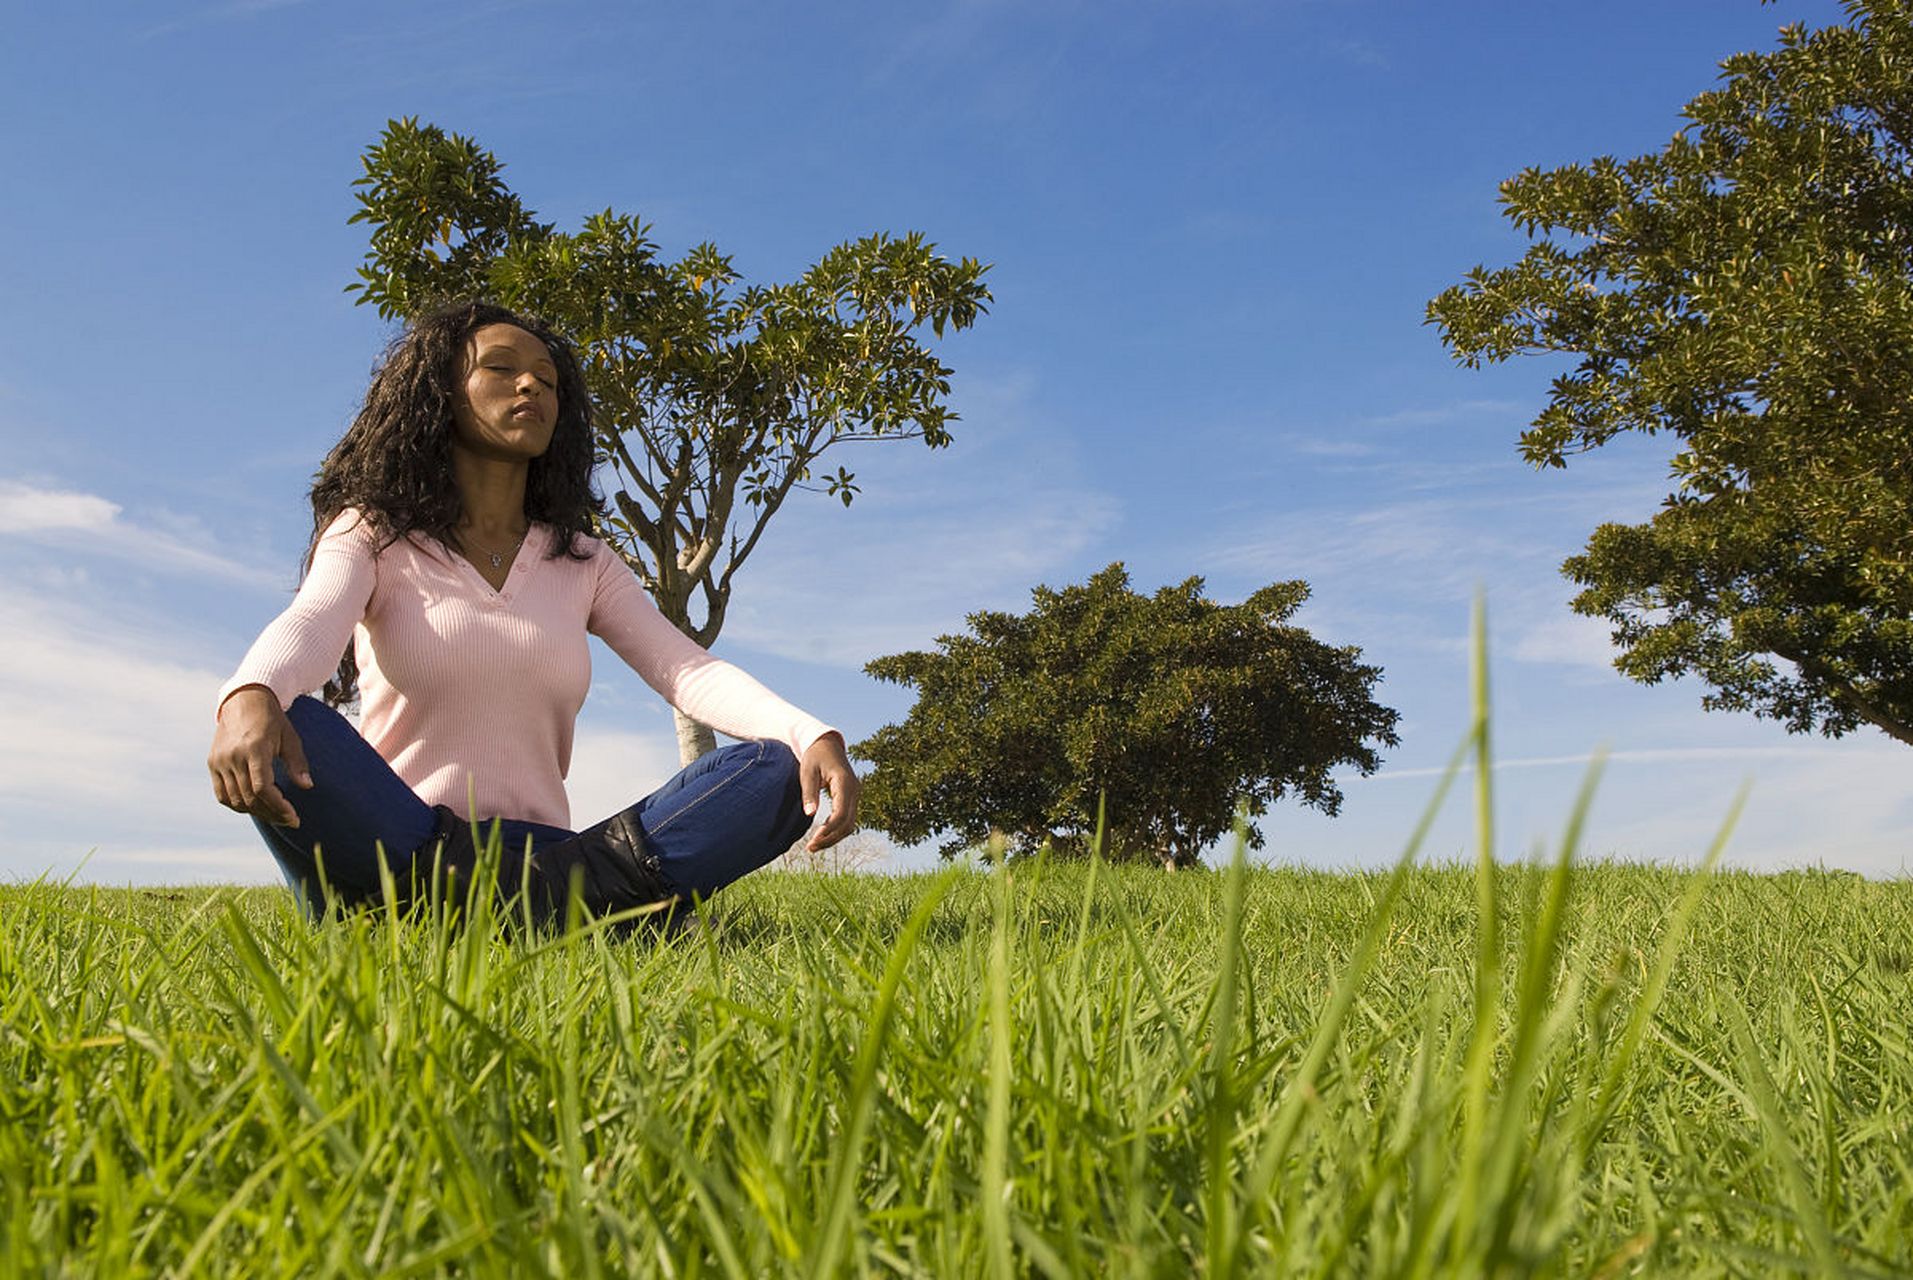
{"x": 294, "y": 654}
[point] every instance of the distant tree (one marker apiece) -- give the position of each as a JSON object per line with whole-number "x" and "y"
{"x": 1171, "y": 710}
{"x": 1748, "y": 290}
{"x": 715, "y": 399}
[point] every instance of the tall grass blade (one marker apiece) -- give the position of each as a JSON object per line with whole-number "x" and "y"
{"x": 1300, "y": 1089}
{"x": 1478, "y": 1070}
{"x": 1222, "y": 1053}
{"x": 840, "y": 1203}
{"x": 1780, "y": 1151}
{"x": 1649, "y": 1000}
{"x": 997, "y": 1187}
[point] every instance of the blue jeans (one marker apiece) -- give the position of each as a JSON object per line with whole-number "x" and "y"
{"x": 723, "y": 816}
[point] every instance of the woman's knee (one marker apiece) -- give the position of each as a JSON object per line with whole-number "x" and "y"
{"x": 770, "y": 766}
{"x": 779, "y": 761}
{"x": 309, "y": 715}
{"x": 784, "y": 773}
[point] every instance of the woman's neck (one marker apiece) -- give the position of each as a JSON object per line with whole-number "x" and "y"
{"x": 492, "y": 493}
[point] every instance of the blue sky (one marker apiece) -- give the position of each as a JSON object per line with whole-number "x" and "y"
{"x": 1213, "y": 229}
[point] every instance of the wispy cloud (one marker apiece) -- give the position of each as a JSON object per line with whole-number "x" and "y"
{"x": 209, "y": 15}
{"x": 98, "y": 526}
{"x": 952, "y": 29}
{"x": 106, "y": 744}
{"x": 1567, "y": 639}
{"x": 1320, "y": 447}
{"x": 936, "y": 537}
{"x": 1359, "y": 53}
{"x": 1433, "y": 535}
{"x": 921, "y": 577}
{"x": 1668, "y": 755}
{"x": 1434, "y": 415}
{"x": 1806, "y": 803}
{"x": 1226, "y": 225}
{"x": 1419, "y": 548}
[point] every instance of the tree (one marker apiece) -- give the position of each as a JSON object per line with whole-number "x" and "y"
{"x": 1165, "y": 712}
{"x": 715, "y": 399}
{"x": 1749, "y": 289}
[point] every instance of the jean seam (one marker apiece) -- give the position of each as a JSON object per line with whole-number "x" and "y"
{"x": 754, "y": 761}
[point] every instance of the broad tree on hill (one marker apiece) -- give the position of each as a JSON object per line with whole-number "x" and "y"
{"x": 1749, "y": 291}
{"x": 716, "y": 399}
{"x": 1164, "y": 713}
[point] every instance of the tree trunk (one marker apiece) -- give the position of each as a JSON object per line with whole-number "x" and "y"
{"x": 694, "y": 739}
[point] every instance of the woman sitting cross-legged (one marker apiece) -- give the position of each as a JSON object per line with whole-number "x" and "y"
{"x": 451, "y": 566}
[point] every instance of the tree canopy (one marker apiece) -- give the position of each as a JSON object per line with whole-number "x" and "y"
{"x": 716, "y": 399}
{"x": 1165, "y": 712}
{"x": 1748, "y": 290}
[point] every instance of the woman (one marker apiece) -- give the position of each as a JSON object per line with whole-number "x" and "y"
{"x": 451, "y": 565}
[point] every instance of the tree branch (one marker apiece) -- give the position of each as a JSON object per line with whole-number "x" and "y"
{"x": 1847, "y": 693}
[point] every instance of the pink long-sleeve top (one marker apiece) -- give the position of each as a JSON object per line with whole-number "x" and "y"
{"x": 461, "y": 685}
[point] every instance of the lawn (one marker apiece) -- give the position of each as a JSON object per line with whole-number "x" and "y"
{"x": 1058, "y": 1068}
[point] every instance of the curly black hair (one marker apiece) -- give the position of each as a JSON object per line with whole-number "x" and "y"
{"x": 394, "y": 464}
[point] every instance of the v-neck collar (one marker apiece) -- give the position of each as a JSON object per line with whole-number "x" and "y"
{"x": 529, "y": 552}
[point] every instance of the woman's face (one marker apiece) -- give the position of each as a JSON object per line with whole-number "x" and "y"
{"x": 508, "y": 401}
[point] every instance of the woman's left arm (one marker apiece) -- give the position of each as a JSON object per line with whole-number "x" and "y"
{"x": 714, "y": 692}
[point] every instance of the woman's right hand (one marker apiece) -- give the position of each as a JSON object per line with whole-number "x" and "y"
{"x": 252, "y": 733}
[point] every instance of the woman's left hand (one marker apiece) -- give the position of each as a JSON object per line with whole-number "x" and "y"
{"x": 825, "y": 767}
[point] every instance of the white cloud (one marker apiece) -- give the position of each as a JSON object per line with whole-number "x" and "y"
{"x": 118, "y": 864}
{"x": 1842, "y": 804}
{"x": 103, "y": 764}
{"x": 1568, "y": 639}
{"x": 25, "y": 509}
{"x": 1809, "y": 803}
{"x": 612, "y": 769}
{"x": 94, "y": 525}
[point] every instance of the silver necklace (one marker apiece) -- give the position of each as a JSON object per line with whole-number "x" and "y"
{"x": 498, "y": 557}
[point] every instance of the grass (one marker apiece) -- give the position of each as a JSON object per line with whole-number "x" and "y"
{"x": 1054, "y": 1069}
{"x": 1067, "y": 1070}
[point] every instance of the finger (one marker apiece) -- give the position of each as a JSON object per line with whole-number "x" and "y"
{"x": 293, "y": 752}
{"x": 222, "y": 790}
{"x": 843, "y": 802}
{"x": 266, "y": 800}
{"x": 842, "y": 820}
{"x": 845, "y": 795}
{"x": 257, "y": 771}
{"x": 239, "y": 796}
{"x": 271, "y": 805}
{"x": 823, "y": 837}
{"x": 829, "y": 833}
{"x": 809, "y": 775}
{"x": 239, "y": 784}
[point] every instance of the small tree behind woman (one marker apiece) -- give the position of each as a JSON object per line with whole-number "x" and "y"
{"x": 714, "y": 399}
{"x": 1170, "y": 711}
